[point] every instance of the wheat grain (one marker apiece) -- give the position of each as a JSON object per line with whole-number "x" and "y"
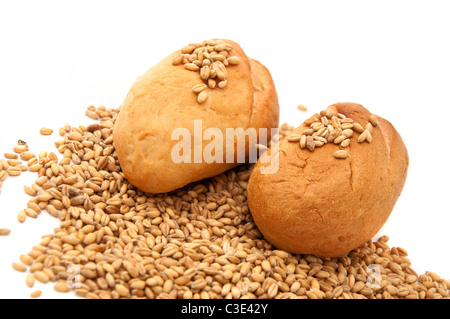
{"x": 46, "y": 131}
{"x": 210, "y": 58}
{"x": 196, "y": 242}
{"x": 36, "y": 294}
{"x": 4, "y": 231}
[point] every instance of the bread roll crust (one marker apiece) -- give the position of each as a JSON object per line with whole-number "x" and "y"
{"x": 317, "y": 204}
{"x": 161, "y": 100}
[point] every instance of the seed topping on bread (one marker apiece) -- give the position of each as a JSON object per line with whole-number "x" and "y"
{"x": 333, "y": 127}
{"x": 210, "y": 58}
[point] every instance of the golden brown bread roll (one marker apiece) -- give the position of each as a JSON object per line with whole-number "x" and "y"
{"x": 162, "y": 100}
{"x": 322, "y": 205}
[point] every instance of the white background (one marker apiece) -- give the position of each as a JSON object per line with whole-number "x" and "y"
{"x": 58, "y": 57}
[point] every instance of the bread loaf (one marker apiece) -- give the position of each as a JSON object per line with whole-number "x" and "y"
{"x": 162, "y": 100}
{"x": 324, "y": 205}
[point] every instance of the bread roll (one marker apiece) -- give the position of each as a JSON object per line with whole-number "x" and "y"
{"x": 319, "y": 204}
{"x": 162, "y": 100}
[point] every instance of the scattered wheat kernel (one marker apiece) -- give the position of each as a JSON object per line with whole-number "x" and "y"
{"x": 199, "y": 87}
{"x": 362, "y": 137}
{"x": 46, "y": 131}
{"x": 373, "y": 119}
{"x": 62, "y": 286}
{"x": 62, "y": 132}
{"x": 341, "y": 154}
{"x": 20, "y": 148}
{"x": 26, "y": 260}
{"x": 10, "y": 155}
{"x": 233, "y": 60}
{"x": 303, "y": 141}
{"x": 4, "y": 232}
{"x": 29, "y": 281}
{"x": 195, "y": 243}
{"x": 211, "y": 83}
{"x": 345, "y": 142}
{"x": 202, "y": 96}
{"x": 35, "y": 167}
{"x": 19, "y": 267}
{"x": 14, "y": 171}
{"x": 205, "y": 72}
{"x": 41, "y": 276}
{"x": 36, "y": 294}
{"x": 89, "y": 113}
{"x": 191, "y": 67}
{"x": 26, "y": 156}
{"x": 302, "y": 107}
{"x": 293, "y": 137}
{"x": 21, "y": 216}
{"x": 177, "y": 60}
{"x": 222, "y": 84}
{"x": 188, "y": 49}
{"x": 318, "y": 143}
{"x": 13, "y": 162}
{"x": 358, "y": 127}
{"x": 340, "y": 139}
{"x": 347, "y": 132}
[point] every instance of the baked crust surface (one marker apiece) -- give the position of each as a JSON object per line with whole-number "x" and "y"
{"x": 317, "y": 204}
{"x": 161, "y": 100}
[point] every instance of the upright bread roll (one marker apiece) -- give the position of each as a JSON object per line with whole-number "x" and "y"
{"x": 335, "y": 197}
{"x": 179, "y": 90}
